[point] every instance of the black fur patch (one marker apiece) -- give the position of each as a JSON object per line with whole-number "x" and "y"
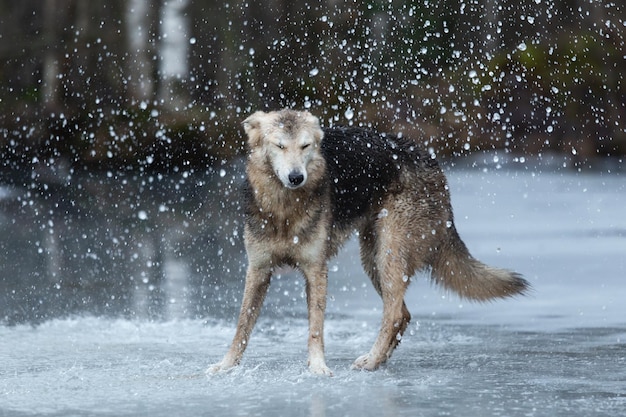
{"x": 364, "y": 165}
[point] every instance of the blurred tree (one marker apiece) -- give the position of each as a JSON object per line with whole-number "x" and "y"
{"x": 141, "y": 29}
{"x": 174, "y": 37}
{"x": 53, "y": 19}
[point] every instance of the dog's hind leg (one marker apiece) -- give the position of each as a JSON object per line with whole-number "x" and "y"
{"x": 383, "y": 261}
{"x": 316, "y": 276}
{"x": 257, "y": 283}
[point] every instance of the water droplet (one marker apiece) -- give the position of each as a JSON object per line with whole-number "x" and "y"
{"x": 314, "y": 72}
{"x": 296, "y": 239}
{"x": 142, "y": 215}
{"x": 349, "y": 114}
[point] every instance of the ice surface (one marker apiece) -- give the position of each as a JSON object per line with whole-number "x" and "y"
{"x": 559, "y": 352}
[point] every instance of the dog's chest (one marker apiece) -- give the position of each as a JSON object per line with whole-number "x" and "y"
{"x": 292, "y": 225}
{"x": 289, "y": 241}
{"x": 288, "y": 233}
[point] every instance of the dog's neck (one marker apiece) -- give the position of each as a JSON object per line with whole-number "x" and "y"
{"x": 284, "y": 211}
{"x": 272, "y": 196}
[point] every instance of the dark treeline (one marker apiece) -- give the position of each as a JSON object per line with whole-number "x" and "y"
{"x": 142, "y": 82}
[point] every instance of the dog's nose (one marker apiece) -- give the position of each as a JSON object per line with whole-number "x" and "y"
{"x": 296, "y": 178}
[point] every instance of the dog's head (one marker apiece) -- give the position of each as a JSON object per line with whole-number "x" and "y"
{"x": 288, "y": 140}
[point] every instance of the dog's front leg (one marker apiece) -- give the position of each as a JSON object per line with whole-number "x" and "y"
{"x": 257, "y": 283}
{"x": 316, "y": 285}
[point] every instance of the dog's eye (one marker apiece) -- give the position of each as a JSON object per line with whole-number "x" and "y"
{"x": 280, "y": 146}
{"x": 306, "y": 146}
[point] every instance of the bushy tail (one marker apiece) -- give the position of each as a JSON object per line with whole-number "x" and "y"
{"x": 455, "y": 269}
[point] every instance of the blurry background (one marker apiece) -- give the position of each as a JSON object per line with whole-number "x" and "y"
{"x": 166, "y": 83}
{"x": 120, "y": 125}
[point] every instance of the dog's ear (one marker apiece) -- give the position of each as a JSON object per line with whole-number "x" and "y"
{"x": 315, "y": 124}
{"x": 311, "y": 119}
{"x": 253, "y": 121}
{"x": 252, "y": 127}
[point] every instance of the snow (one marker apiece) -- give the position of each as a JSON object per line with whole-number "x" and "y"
{"x": 561, "y": 351}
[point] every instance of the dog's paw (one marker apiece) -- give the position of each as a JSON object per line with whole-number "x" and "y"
{"x": 365, "y": 363}
{"x": 319, "y": 368}
{"x": 219, "y": 367}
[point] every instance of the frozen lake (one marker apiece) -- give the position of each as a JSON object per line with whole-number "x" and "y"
{"x": 117, "y": 291}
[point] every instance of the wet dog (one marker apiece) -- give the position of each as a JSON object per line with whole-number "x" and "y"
{"x": 308, "y": 188}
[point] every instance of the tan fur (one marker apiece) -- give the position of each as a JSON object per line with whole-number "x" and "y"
{"x": 295, "y": 216}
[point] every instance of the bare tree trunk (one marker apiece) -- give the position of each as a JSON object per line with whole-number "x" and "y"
{"x": 51, "y": 70}
{"x": 174, "y": 54}
{"x": 492, "y": 32}
{"x": 139, "y": 20}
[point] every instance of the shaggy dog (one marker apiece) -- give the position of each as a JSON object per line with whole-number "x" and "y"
{"x": 308, "y": 188}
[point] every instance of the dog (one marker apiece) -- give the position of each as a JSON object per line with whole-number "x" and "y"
{"x": 309, "y": 188}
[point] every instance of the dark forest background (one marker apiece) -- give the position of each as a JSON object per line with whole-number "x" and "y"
{"x": 166, "y": 83}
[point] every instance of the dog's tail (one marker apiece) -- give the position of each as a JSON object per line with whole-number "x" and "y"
{"x": 454, "y": 268}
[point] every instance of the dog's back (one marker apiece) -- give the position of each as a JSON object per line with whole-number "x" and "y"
{"x": 365, "y": 167}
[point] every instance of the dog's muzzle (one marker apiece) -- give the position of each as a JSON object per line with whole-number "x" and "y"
{"x": 296, "y": 178}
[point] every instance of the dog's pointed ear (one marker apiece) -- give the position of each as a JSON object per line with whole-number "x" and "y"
{"x": 315, "y": 123}
{"x": 311, "y": 119}
{"x": 253, "y": 121}
{"x": 252, "y": 126}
